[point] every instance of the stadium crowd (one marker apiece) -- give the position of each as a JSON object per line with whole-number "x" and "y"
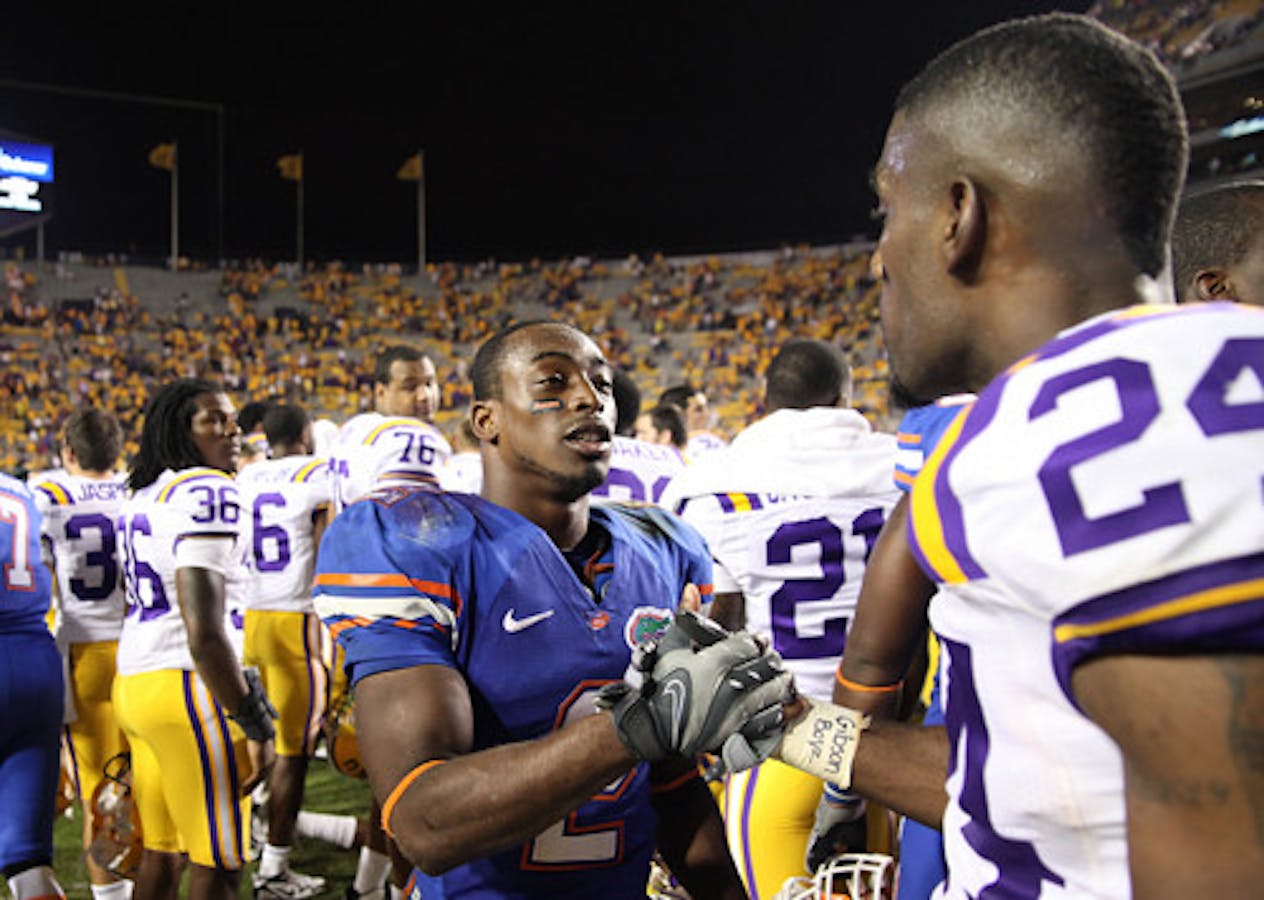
{"x": 708, "y": 321}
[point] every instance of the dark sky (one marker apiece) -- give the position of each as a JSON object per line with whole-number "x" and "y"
{"x": 549, "y": 129}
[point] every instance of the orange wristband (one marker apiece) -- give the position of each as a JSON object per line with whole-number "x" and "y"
{"x": 868, "y": 688}
{"x": 404, "y": 784}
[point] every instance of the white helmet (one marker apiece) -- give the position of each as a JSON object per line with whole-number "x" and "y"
{"x": 848, "y": 876}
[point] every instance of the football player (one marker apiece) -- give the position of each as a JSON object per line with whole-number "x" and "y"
{"x": 200, "y": 727}
{"x": 288, "y": 496}
{"x": 397, "y": 440}
{"x": 1094, "y": 520}
{"x": 398, "y": 443}
{"x": 1218, "y": 244}
{"x": 639, "y": 470}
{"x": 80, "y": 509}
{"x": 790, "y": 510}
{"x": 496, "y": 778}
{"x": 884, "y": 643}
{"x": 31, "y": 697}
{"x": 692, "y": 402}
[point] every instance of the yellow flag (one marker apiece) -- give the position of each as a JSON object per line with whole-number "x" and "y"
{"x": 163, "y": 156}
{"x": 411, "y": 169}
{"x": 291, "y": 166}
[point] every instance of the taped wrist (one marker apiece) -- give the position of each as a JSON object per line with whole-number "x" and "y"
{"x": 846, "y": 806}
{"x": 255, "y": 713}
{"x": 633, "y": 720}
{"x": 822, "y": 742}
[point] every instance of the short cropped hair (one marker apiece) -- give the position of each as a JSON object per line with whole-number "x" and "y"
{"x": 252, "y": 413}
{"x": 96, "y": 437}
{"x": 678, "y": 395}
{"x": 382, "y": 367}
{"x": 804, "y": 374}
{"x": 166, "y": 441}
{"x": 670, "y": 418}
{"x": 627, "y": 403}
{"x": 283, "y": 424}
{"x": 485, "y": 370}
{"x": 1215, "y": 229}
{"x": 1084, "y": 80}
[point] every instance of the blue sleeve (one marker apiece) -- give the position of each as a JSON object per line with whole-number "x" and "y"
{"x": 389, "y": 583}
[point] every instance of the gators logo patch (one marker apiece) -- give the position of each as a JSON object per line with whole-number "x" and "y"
{"x": 646, "y": 623}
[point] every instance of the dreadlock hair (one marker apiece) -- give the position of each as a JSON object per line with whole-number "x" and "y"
{"x": 165, "y": 439}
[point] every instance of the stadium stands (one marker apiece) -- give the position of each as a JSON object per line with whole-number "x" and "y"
{"x": 89, "y": 334}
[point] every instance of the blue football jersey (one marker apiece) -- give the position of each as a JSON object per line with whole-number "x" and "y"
{"x": 27, "y": 584}
{"x": 413, "y": 577}
{"x": 918, "y": 433}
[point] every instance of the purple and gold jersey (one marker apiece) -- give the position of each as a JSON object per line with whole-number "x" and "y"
{"x": 190, "y": 503}
{"x": 25, "y": 583}
{"x": 639, "y": 470}
{"x": 790, "y": 511}
{"x": 374, "y": 449}
{"x": 80, "y": 515}
{"x": 282, "y": 495}
{"x": 410, "y": 577}
{"x": 1102, "y": 496}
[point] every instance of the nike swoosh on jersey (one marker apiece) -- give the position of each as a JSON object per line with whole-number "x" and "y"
{"x": 513, "y": 626}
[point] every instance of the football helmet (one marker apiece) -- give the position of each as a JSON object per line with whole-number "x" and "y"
{"x": 116, "y": 835}
{"x": 341, "y": 742}
{"x": 847, "y": 876}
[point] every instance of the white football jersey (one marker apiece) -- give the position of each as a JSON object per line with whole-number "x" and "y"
{"x": 179, "y": 505}
{"x": 80, "y": 515}
{"x": 639, "y": 470}
{"x": 463, "y": 473}
{"x": 790, "y": 511}
{"x": 701, "y": 443}
{"x": 374, "y": 449}
{"x": 282, "y": 495}
{"x": 1101, "y": 496}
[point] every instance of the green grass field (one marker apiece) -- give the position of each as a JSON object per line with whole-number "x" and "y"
{"x": 327, "y": 791}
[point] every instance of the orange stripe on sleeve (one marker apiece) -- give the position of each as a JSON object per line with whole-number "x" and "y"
{"x": 388, "y": 808}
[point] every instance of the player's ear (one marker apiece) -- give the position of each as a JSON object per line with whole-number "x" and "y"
{"x": 965, "y": 229}
{"x": 485, "y": 420}
{"x": 1213, "y": 284}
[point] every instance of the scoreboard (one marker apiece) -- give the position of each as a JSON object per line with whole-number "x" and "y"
{"x": 26, "y": 184}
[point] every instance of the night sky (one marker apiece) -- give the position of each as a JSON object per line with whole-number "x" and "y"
{"x": 549, "y": 130}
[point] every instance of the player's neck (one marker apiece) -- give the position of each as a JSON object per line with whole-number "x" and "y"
{"x": 565, "y": 522}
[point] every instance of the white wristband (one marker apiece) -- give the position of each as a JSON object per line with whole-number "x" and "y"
{"x": 213, "y": 553}
{"x": 822, "y": 741}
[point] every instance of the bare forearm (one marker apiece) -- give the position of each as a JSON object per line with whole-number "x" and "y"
{"x": 899, "y": 765}
{"x": 484, "y": 802}
{"x": 217, "y": 666}
{"x": 201, "y": 594}
{"x": 904, "y": 767}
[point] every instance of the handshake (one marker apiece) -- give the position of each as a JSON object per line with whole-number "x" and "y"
{"x": 705, "y": 690}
